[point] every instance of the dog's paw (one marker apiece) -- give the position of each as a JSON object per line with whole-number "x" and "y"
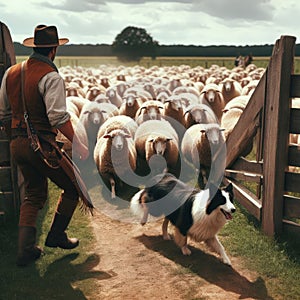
{"x": 186, "y": 251}
{"x": 167, "y": 237}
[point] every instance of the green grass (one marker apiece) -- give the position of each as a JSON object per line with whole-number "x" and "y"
{"x": 59, "y": 274}
{"x": 277, "y": 262}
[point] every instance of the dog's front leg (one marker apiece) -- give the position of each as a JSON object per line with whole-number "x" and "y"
{"x": 181, "y": 241}
{"x": 165, "y": 234}
{"x": 145, "y": 214}
{"x": 215, "y": 245}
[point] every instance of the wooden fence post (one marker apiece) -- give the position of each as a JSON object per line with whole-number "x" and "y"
{"x": 276, "y": 133}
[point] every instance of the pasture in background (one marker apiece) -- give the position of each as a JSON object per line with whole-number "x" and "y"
{"x": 206, "y": 62}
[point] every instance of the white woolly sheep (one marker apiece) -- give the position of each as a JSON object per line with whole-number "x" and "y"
{"x": 250, "y": 87}
{"x": 150, "y": 89}
{"x": 212, "y": 96}
{"x": 125, "y": 123}
{"x": 92, "y": 116}
{"x": 131, "y": 104}
{"x": 113, "y": 96}
{"x": 173, "y": 113}
{"x": 231, "y": 114}
{"x": 149, "y": 110}
{"x": 196, "y": 147}
{"x": 199, "y": 114}
{"x": 157, "y": 137}
{"x": 78, "y": 101}
{"x": 115, "y": 156}
{"x": 94, "y": 91}
{"x": 138, "y": 91}
{"x": 230, "y": 88}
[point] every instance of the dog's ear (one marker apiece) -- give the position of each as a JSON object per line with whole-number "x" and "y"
{"x": 229, "y": 188}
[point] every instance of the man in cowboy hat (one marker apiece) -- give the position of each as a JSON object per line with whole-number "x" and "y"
{"x": 45, "y": 102}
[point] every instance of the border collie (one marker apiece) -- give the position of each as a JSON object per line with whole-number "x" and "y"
{"x": 199, "y": 214}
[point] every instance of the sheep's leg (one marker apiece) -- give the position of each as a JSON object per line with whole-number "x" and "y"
{"x": 146, "y": 213}
{"x": 215, "y": 245}
{"x": 165, "y": 234}
{"x": 113, "y": 187}
{"x": 181, "y": 241}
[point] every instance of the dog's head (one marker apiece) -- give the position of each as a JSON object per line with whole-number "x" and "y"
{"x": 222, "y": 200}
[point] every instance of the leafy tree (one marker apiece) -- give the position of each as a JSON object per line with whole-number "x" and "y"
{"x": 133, "y": 43}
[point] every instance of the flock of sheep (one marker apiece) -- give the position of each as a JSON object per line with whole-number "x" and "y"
{"x": 127, "y": 116}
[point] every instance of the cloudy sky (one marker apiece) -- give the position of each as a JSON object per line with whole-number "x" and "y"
{"x": 197, "y": 22}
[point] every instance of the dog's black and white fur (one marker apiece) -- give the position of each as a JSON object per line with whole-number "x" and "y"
{"x": 199, "y": 214}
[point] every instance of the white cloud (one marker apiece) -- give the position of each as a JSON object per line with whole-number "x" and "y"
{"x": 198, "y": 22}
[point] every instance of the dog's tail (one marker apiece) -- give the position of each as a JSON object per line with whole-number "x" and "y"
{"x": 135, "y": 204}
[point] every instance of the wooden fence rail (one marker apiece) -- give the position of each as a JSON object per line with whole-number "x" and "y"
{"x": 269, "y": 119}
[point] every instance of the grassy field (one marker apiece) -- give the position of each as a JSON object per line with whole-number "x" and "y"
{"x": 94, "y": 61}
{"x": 206, "y": 62}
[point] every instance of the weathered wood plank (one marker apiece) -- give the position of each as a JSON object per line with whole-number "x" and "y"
{"x": 276, "y": 132}
{"x": 247, "y": 125}
{"x": 292, "y": 227}
{"x": 291, "y": 206}
{"x": 295, "y": 120}
{"x": 244, "y": 165}
{"x": 5, "y": 179}
{"x": 294, "y": 156}
{"x": 7, "y": 203}
{"x": 292, "y": 182}
{"x": 4, "y": 153}
{"x": 295, "y": 86}
{"x": 239, "y": 175}
{"x": 246, "y": 198}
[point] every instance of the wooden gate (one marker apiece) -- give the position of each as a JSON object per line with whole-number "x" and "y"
{"x": 268, "y": 120}
{"x": 10, "y": 178}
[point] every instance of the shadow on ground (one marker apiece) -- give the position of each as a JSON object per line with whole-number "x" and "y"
{"x": 209, "y": 268}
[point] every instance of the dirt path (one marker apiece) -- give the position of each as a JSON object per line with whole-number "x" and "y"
{"x": 141, "y": 265}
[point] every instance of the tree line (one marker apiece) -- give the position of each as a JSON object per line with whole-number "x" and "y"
{"x": 162, "y": 50}
{"x": 133, "y": 43}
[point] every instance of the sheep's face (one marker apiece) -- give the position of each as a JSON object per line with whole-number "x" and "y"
{"x": 213, "y": 134}
{"x": 175, "y": 104}
{"x": 228, "y": 85}
{"x": 152, "y": 112}
{"x": 211, "y": 95}
{"x": 72, "y": 92}
{"x": 111, "y": 93}
{"x": 130, "y": 100}
{"x": 118, "y": 139}
{"x": 198, "y": 115}
{"x": 159, "y": 145}
{"x": 95, "y": 116}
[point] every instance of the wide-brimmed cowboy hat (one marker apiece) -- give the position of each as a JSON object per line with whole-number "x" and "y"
{"x": 44, "y": 36}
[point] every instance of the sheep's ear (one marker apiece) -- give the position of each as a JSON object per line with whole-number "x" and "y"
{"x": 222, "y": 129}
{"x": 107, "y": 136}
{"x": 169, "y": 139}
{"x": 160, "y": 107}
{"x": 225, "y": 110}
{"x": 86, "y": 112}
{"x": 143, "y": 107}
{"x": 151, "y": 141}
{"x": 127, "y": 135}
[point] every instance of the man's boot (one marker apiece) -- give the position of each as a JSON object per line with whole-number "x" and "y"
{"x": 57, "y": 236}
{"x": 28, "y": 252}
